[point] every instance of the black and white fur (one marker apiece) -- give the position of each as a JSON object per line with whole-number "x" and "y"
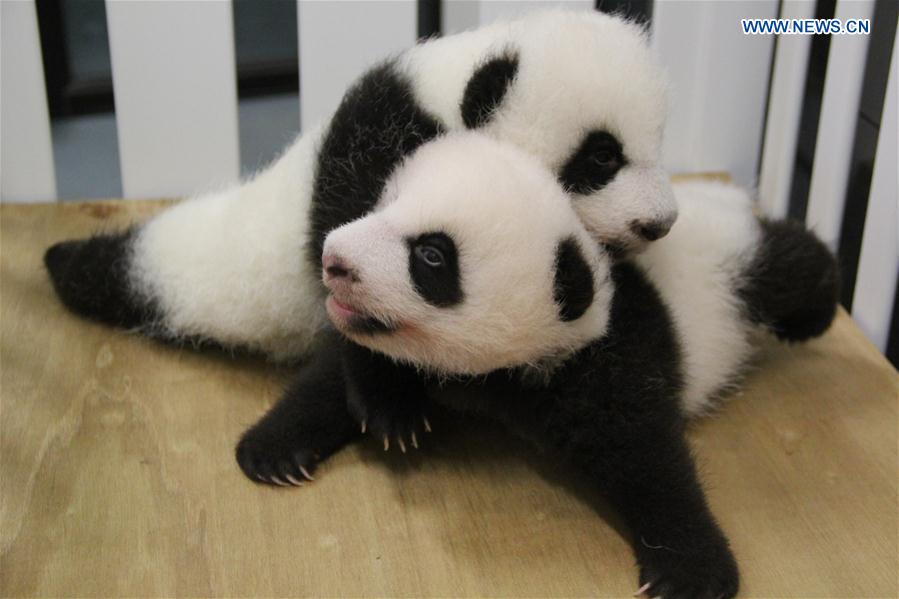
{"x": 239, "y": 267}
{"x": 595, "y": 362}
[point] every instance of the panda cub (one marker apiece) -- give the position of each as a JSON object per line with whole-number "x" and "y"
{"x": 239, "y": 267}
{"x": 530, "y": 322}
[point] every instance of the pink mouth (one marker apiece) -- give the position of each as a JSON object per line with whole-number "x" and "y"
{"x": 352, "y": 320}
{"x": 342, "y": 310}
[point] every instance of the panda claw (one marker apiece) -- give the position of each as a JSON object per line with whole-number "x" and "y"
{"x": 306, "y": 473}
{"x": 427, "y": 424}
{"x": 386, "y": 443}
{"x": 279, "y": 482}
{"x": 402, "y": 445}
{"x": 642, "y": 589}
{"x": 364, "y": 423}
{"x": 293, "y": 481}
{"x": 414, "y": 440}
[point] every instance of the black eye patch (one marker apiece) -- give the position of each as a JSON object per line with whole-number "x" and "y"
{"x": 434, "y": 269}
{"x": 486, "y": 89}
{"x": 573, "y": 285}
{"x": 594, "y": 164}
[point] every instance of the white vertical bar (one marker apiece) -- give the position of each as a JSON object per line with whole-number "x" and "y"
{"x": 494, "y": 10}
{"x": 875, "y": 285}
{"x": 339, "y": 40}
{"x": 26, "y": 152}
{"x": 175, "y": 95}
{"x": 784, "y": 112}
{"x": 459, "y": 15}
{"x": 719, "y": 82}
{"x": 836, "y": 127}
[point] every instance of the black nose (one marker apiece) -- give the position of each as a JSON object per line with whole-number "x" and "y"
{"x": 650, "y": 230}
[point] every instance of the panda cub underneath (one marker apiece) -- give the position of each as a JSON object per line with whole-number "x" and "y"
{"x": 474, "y": 274}
{"x": 239, "y": 267}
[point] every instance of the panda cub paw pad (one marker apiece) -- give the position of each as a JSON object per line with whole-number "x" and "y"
{"x": 271, "y": 462}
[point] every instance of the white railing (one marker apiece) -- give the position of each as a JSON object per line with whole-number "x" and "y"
{"x": 26, "y": 153}
{"x": 878, "y": 265}
{"x": 836, "y": 131}
{"x": 175, "y": 95}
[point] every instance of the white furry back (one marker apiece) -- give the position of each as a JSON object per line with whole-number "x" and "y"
{"x": 696, "y": 268}
{"x": 232, "y": 265}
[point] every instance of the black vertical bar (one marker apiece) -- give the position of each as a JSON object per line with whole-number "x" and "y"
{"x": 771, "y": 64}
{"x": 54, "y": 54}
{"x": 892, "y": 352}
{"x": 810, "y": 115}
{"x": 428, "y": 18}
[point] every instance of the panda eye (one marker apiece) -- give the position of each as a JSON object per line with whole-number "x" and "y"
{"x": 594, "y": 164}
{"x": 430, "y": 255}
{"x": 605, "y": 158}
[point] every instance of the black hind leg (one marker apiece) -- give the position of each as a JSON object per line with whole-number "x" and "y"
{"x": 91, "y": 277}
{"x": 308, "y": 424}
{"x": 792, "y": 286}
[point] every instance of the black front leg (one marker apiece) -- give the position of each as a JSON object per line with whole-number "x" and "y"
{"x": 681, "y": 551}
{"x": 387, "y": 399}
{"x": 645, "y": 470}
{"x": 308, "y": 424}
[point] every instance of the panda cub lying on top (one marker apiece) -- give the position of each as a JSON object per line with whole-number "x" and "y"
{"x": 240, "y": 267}
{"x": 473, "y": 272}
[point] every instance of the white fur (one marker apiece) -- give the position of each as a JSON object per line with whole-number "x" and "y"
{"x": 696, "y": 268}
{"x": 506, "y": 214}
{"x": 230, "y": 266}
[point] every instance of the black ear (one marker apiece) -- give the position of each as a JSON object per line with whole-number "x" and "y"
{"x": 573, "y": 286}
{"x": 485, "y": 90}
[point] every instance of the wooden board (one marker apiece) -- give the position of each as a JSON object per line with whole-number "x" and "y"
{"x": 118, "y": 475}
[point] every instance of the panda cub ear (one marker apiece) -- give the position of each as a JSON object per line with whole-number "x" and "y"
{"x": 573, "y": 286}
{"x": 485, "y": 90}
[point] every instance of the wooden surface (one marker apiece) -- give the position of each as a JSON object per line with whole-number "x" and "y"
{"x": 118, "y": 476}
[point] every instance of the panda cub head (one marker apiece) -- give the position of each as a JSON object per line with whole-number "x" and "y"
{"x": 473, "y": 260}
{"x": 581, "y": 91}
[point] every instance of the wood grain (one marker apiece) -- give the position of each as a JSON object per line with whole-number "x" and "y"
{"x": 118, "y": 475}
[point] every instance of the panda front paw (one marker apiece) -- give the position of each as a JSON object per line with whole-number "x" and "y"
{"x": 275, "y": 460}
{"x": 399, "y": 424}
{"x": 706, "y": 571}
